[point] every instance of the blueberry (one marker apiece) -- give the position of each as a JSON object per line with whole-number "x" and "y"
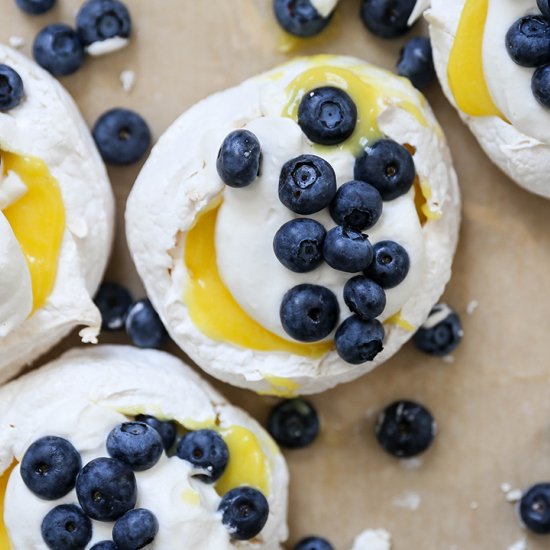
{"x": 540, "y": 84}
{"x": 441, "y": 333}
{"x": 528, "y": 41}
{"x": 135, "y": 444}
{"x": 135, "y": 529}
{"x": 206, "y": 451}
{"x": 359, "y": 341}
{"x": 35, "y": 7}
{"x": 104, "y": 545}
{"x": 405, "y": 429}
{"x": 544, "y": 7}
{"x": 293, "y": 423}
{"x": 390, "y": 265}
{"x": 244, "y": 512}
{"x": 106, "y": 489}
{"x": 100, "y": 20}
{"x": 357, "y": 205}
{"x": 387, "y": 18}
{"x": 122, "y": 137}
{"x": 239, "y": 159}
{"x": 416, "y": 62}
{"x": 50, "y": 466}
{"x": 309, "y": 312}
{"x": 307, "y": 184}
{"x": 113, "y": 302}
{"x": 144, "y": 326}
{"x": 166, "y": 429}
{"x": 58, "y": 49}
{"x": 66, "y": 528}
{"x": 314, "y": 543}
{"x": 534, "y": 508}
{"x": 11, "y": 88}
{"x": 347, "y": 250}
{"x": 327, "y": 115}
{"x": 299, "y": 17}
{"x": 388, "y": 166}
{"x": 364, "y": 297}
{"x": 298, "y": 244}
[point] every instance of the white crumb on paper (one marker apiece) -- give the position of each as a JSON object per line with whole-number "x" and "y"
{"x": 409, "y": 500}
{"x": 474, "y": 505}
{"x": 520, "y": 544}
{"x": 372, "y": 539}
{"x": 107, "y": 46}
{"x": 505, "y": 487}
{"x": 16, "y": 42}
{"x": 450, "y": 359}
{"x": 128, "y": 80}
{"x": 411, "y": 463}
{"x": 514, "y": 495}
{"x": 472, "y": 306}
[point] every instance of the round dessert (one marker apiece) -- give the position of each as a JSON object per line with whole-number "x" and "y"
{"x": 288, "y": 229}
{"x": 56, "y": 215}
{"x": 490, "y": 57}
{"x": 114, "y": 443}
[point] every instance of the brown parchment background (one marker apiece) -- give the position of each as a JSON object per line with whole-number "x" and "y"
{"x": 492, "y": 404}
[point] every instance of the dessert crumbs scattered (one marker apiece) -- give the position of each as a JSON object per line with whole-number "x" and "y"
{"x": 472, "y": 306}
{"x": 448, "y": 359}
{"x": 514, "y": 495}
{"x": 520, "y": 544}
{"x": 411, "y": 463}
{"x": 409, "y": 500}
{"x": 505, "y": 487}
{"x": 474, "y": 505}
{"x": 128, "y": 80}
{"x": 16, "y": 42}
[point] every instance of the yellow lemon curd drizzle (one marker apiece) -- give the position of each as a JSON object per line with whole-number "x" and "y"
{"x": 4, "y": 537}
{"x": 38, "y": 222}
{"x": 247, "y": 464}
{"x": 465, "y": 69}
{"x": 400, "y": 321}
{"x": 212, "y": 307}
{"x": 281, "y": 387}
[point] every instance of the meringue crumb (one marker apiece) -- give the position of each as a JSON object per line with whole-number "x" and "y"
{"x": 474, "y": 505}
{"x": 448, "y": 359}
{"x": 16, "y": 42}
{"x": 505, "y": 487}
{"x": 372, "y": 539}
{"x": 520, "y": 544}
{"x": 409, "y": 500}
{"x": 128, "y": 80}
{"x": 472, "y": 306}
{"x": 514, "y": 495}
{"x": 411, "y": 463}
{"x": 107, "y": 46}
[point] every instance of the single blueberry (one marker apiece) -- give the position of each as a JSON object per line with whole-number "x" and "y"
{"x": 534, "y": 508}
{"x": 298, "y": 244}
{"x": 135, "y": 444}
{"x": 359, "y": 341}
{"x": 100, "y": 20}
{"x": 167, "y": 429}
{"x": 327, "y": 115}
{"x": 347, "y": 250}
{"x": 544, "y": 7}
{"x": 244, "y": 512}
{"x": 122, "y": 136}
{"x": 293, "y": 423}
{"x": 388, "y": 166}
{"x": 299, "y": 17}
{"x": 307, "y": 184}
{"x": 239, "y": 158}
{"x": 35, "y": 7}
{"x": 390, "y": 265}
{"x": 309, "y": 312}
{"x": 11, "y": 88}
{"x": 58, "y": 49}
{"x": 528, "y": 41}
{"x": 50, "y": 466}
{"x": 106, "y": 489}
{"x": 405, "y": 429}
{"x": 441, "y": 333}
{"x": 144, "y": 326}
{"x": 416, "y": 62}
{"x": 387, "y": 18}
{"x": 104, "y": 545}
{"x": 314, "y": 543}
{"x": 135, "y": 529}
{"x": 66, "y": 527}
{"x": 364, "y": 297}
{"x": 206, "y": 451}
{"x": 113, "y": 302}
{"x": 540, "y": 85}
{"x": 357, "y": 204}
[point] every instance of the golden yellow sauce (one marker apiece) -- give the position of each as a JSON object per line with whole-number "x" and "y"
{"x": 465, "y": 69}
{"x": 4, "y": 538}
{"x": 212, "y": 307}
{"x": 191, "y": 497}
{"x": 38, "y": 222}
{"x": 397, "y": 319}
{"x": 247, "y": 465}
{"x": 281, "y": 387}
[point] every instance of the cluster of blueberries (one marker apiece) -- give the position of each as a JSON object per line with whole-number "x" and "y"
{"x": 384, "y": 171}
{"x": 106, "y": 487}
{"x": 528, "y": 44}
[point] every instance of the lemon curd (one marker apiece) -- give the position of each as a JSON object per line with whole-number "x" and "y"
{"x": 4, "y": 537}
{"x": 38, "y": 222}
{"x": 465, "y": 70}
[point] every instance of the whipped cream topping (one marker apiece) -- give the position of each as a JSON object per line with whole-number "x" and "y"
{"x": 82, "y": 396}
